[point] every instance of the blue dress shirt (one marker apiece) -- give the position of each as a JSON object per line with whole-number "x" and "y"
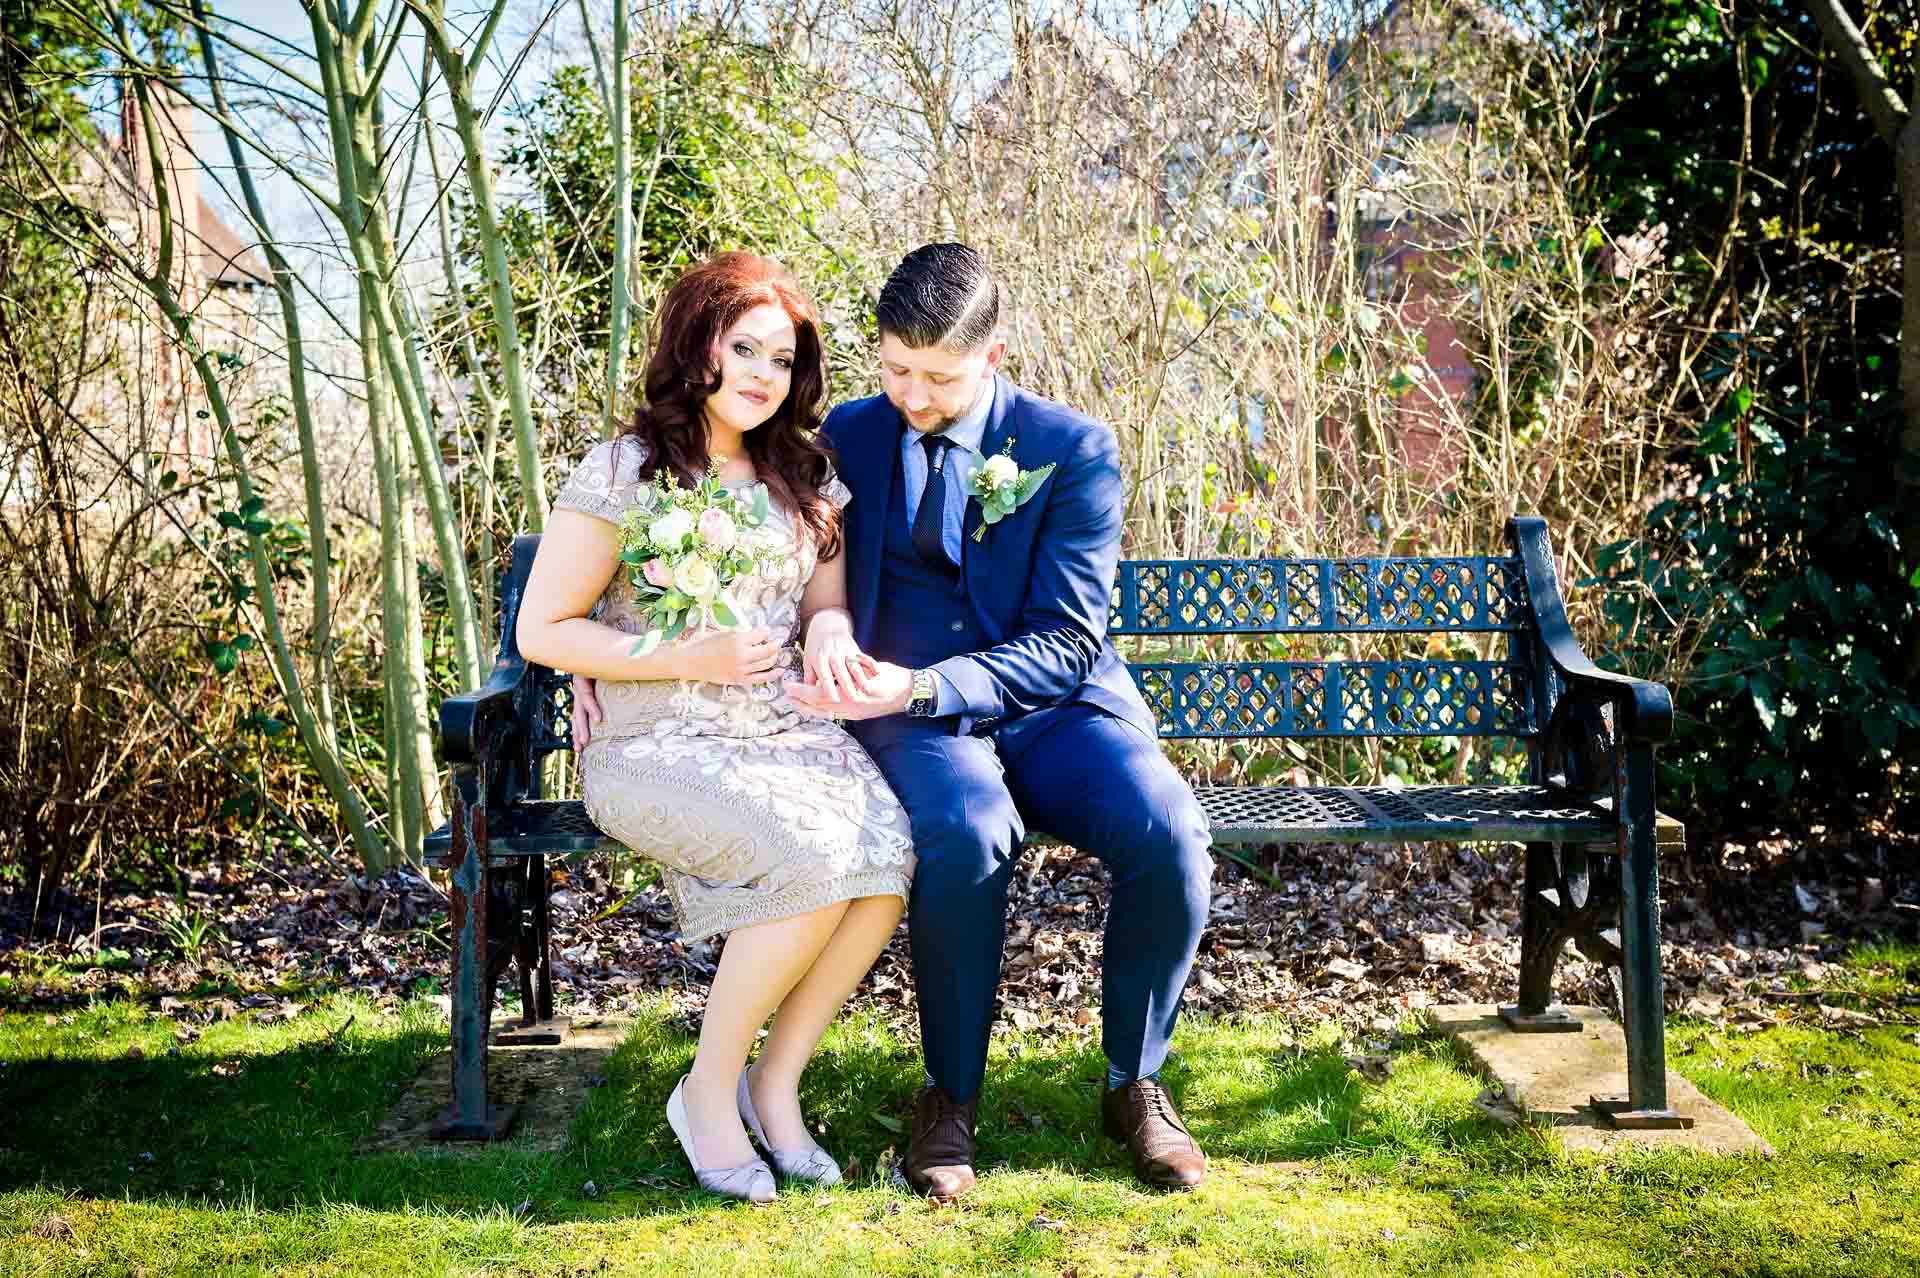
{"x": 967, "y": 433}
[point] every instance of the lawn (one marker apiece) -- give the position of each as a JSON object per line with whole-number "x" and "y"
{"x": 129, "y": 1150}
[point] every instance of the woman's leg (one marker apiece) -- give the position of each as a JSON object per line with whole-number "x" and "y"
{"x": 758, "y": 967}
{"x": 814, "y": 1001}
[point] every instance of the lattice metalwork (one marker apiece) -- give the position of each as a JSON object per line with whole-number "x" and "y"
{"x": 1446, "y": 813}
{"x": 1337, "y": 698}
{"x": 552, "y": 727}
{"x": 1318, "y": 596}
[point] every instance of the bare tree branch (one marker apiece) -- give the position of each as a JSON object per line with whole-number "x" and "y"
{"x": 1882, "y": 105}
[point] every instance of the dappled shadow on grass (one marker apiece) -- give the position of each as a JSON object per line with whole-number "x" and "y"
{"x": 275, "y": 1113}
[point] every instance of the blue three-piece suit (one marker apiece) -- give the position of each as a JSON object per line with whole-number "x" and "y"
{"x": 1039, "y": 726}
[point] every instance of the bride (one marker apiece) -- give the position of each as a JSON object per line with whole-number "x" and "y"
{"x": 770, "y": 827}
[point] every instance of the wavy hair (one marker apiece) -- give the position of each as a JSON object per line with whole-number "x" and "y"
{"x": 681, "y": 373}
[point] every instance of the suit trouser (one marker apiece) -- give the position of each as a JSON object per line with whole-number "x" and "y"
{"x": 1099, "y": 784}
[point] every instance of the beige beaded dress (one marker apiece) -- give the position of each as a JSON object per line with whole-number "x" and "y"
{"x": 754, "y": 811}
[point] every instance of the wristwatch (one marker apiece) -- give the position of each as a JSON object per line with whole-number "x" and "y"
{"x": 924, "y": 697}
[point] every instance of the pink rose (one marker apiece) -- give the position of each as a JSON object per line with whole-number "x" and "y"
{"x": 718, "y": 528}
{"x": 659, "y": 573}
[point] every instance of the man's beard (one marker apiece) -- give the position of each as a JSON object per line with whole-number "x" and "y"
{"x": 939, "y": 427}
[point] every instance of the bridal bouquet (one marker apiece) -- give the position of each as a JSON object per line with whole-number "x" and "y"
{"x": 685, "y": 551}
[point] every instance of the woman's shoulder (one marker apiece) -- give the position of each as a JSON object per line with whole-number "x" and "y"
{"x": 606, "y": 482}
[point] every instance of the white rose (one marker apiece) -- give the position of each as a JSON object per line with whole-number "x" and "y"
{"x": 1000, "y": 471}
{"x": 670, "y": 529}
{"x": 695, "y": 577}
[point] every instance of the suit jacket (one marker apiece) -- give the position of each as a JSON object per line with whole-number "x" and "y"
{"x": 1041, "y": 582}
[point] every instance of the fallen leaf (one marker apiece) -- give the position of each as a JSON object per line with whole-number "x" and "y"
{"x": 1347, "y": 969}
{"x": 1377, "y": 1069}
{"x": 1497, "y": 1105}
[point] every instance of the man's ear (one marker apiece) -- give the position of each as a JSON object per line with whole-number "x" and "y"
{"x": 995, "y": 353}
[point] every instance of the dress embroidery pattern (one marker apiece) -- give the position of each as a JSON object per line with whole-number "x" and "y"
{"x": 756, "y": 811}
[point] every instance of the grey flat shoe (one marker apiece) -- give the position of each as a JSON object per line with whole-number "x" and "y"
{"x": 815, "y": 1165}
{"x": 750, "y": 1182}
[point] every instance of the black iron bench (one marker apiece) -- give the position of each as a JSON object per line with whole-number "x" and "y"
{"x": 1586, "y": 815}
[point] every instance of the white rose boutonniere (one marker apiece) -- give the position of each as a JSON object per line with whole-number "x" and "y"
{"x": 1001, "y": 487}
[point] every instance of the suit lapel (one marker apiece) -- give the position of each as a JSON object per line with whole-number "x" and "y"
{"x": 976, "y": 556}
{"x": 868, "y": 468}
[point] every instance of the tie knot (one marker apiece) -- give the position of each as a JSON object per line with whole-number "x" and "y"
{"x": 936, "y": 447}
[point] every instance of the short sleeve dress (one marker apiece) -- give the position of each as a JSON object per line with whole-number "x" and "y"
{"x": 755, "y": 811}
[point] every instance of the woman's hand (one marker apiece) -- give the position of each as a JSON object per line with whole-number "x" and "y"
{"x": 833, "y": 662}
{"x": 729, "y": 656}
{"x": 587, "y": 713}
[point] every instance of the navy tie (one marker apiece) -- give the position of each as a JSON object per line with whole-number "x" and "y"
{"x": 930, "y": 521}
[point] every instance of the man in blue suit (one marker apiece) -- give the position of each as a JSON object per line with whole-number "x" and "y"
{"x": 998, "y": 705}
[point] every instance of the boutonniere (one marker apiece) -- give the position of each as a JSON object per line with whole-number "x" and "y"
{"x": 1001, "y": 487}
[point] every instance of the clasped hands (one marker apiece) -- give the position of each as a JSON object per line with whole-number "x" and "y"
{"x": 838, "y": 680}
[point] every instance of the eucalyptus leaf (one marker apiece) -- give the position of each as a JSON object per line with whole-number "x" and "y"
{"x": 1030, "y": 482}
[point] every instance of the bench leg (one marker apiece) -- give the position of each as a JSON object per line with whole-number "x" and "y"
{"x": 470, "y": 1116}
{"x": 1543, "y": 934}
{"x": 1643, "y": 997}
{"x": 533, "y": 956}
{"x": 542, "y": 886}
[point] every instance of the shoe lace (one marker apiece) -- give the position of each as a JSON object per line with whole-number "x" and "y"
{"x": 945, "y": 1111}
{"x": 1155, "y": 1102}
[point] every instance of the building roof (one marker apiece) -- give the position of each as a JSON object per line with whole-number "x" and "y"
{"x": 225, "y": 260}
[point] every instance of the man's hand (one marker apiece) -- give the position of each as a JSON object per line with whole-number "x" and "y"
{"x": 587, "y": 713}
{"x": 889, "y": 688}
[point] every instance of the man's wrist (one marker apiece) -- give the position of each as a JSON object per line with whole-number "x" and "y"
{"x": 923, "y": 694}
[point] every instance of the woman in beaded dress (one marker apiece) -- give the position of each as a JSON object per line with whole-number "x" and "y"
{"x": 770, "y": 826}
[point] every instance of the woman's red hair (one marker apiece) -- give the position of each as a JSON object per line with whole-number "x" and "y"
{"x": 697, "y": 310}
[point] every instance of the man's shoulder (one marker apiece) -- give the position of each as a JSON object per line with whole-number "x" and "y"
{"x": 1050, "y": 424}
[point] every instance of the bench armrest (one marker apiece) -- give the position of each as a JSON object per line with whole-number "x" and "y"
{"x": 1643, "y": 710}
{"x": 463, "y": 718}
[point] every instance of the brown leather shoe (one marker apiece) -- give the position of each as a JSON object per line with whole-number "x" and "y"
{"x": 1141, "y": 1116}
{"x": 939, "y": 1161}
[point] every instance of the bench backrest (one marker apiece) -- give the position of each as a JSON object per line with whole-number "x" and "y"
{"x": 1197, "y": 599}
{"x": 1329, "y": 698}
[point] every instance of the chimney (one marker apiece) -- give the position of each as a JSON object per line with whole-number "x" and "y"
{"x": 181, "y": 170}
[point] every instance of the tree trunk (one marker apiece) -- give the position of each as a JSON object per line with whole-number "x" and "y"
{"x": 1907, "y": 169}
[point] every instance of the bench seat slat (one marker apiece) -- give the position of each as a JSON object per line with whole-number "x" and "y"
{"x": 531, "y": 827}
{"x": 1415, "y": 813}
{"x": 1237, "y": 814}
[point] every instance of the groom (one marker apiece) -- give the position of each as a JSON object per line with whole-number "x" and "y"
{"x": 999, "y": 705}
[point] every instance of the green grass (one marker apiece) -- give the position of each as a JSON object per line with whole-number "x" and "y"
{"x": 236, "y": 1156}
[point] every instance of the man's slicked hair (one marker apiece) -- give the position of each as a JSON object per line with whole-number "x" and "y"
{"x": 940, "y": 295}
